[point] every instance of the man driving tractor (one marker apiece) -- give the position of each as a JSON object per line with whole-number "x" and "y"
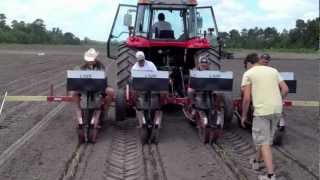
{"x": 161, "y": 25}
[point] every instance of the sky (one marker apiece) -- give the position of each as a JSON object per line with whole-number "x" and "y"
{"x": 94, "y": 18}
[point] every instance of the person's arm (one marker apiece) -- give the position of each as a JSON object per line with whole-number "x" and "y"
{"x": 284, "y": 89}
{"x": 154, "y": 68}
{"x": 246, "y": 97}
{"x": 245, "y": 103}
{"x": 153, "y": 27}
{"x": 283, "y": 86}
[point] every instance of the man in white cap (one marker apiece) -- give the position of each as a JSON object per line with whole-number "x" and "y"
{"x": 142, "y": 63}
{"x": 203, "y": 65}
{"x": 92, "y": 63}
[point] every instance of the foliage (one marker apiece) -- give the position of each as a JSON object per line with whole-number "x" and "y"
{"x": 33, "y": 33}
{"x": 304, "y": 36}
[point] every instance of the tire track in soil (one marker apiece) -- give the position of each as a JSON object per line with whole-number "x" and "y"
{"x": 14, "y": 118}
{"x": 125, "y": 161}
{"x": 235, "y": 150}
{"x": 6, "y": 154}
{"x": 154, "y": 167}
{"x": 288, "y": 155}
{"x": 81, "y": 154}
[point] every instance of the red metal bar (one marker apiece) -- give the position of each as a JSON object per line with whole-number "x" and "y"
{"x": 176, "y": 100}
{"x": 287, "y": 103}
{"x": 59, "y": 98}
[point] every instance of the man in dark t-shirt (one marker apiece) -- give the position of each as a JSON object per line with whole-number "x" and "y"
{"x": 93, "y": 64}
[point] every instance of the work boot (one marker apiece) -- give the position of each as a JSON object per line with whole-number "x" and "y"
{"x": 254, "y": 164}
{"x": 266, "y": 177}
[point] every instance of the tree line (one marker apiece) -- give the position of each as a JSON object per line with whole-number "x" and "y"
{"x": 305, "y": 35}
{"x": 33, "y": 33}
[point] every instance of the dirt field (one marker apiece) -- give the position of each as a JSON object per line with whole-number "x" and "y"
{"x": 38, "y": 141}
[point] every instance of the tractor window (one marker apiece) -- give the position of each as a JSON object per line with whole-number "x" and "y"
{"x": 206, "y": 24}
{"x": 191, "y": 23}
{"x": 168, "y": 24}
{"x": 142, "y": 25}
{"x": 124, "y": 20}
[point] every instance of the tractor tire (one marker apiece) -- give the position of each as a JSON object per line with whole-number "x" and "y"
{"x": 125, "y": 60}
{"x": 212, "y": 54}
{"x": 120, "y": 105}
{"x": 227, "y": 109}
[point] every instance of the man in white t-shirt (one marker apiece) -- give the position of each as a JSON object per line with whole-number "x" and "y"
{"x": 143, "y": 64}
{"x": 266, "y": 88}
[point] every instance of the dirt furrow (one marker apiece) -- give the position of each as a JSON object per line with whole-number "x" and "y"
{"x": 235, "y": 146}
{"x": 154, "y": 167}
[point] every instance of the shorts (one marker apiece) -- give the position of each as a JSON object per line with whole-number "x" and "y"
{"x": 264, "y": 128}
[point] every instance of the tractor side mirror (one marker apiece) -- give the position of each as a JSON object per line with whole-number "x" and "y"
{"x": 127, "y": 20}
{"x": 199, "y": 22}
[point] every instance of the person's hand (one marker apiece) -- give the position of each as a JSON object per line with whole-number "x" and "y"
{"x": 243, "y": 120}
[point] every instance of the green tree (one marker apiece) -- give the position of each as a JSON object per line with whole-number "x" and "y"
{"x": 70, "y": 38}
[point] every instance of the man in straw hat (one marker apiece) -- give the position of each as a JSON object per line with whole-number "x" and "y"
{"x": 92, "y": 63}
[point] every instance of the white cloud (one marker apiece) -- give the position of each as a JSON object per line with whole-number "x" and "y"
{"x": 82, "y": 17}
{"x": 231, "y": 14}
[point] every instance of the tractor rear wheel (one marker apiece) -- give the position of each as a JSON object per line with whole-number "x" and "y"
{"x": 126, "y": 59}
{"x": 120, "y": 105}
{"x": 227, "y": 106}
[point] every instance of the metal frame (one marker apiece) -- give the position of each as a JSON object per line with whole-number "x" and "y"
{"x": 113, "y": 24}
{"x": 212, "y": 12}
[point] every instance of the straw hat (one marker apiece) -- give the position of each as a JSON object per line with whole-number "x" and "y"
{"x": 91, "y": 55}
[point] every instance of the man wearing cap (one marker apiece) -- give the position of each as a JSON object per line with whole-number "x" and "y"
{"x": 142, "y": 63}
{"x": 261, "y": 83}
{"x": 203, "y": 65}
{"x": 92, "y": 63}
{"x": 265, "y": 59}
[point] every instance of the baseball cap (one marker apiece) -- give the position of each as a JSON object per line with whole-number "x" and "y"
{"x": 265, "y": 56}
{"x": 203, "y": 59}
{"x": 140, "y": 56}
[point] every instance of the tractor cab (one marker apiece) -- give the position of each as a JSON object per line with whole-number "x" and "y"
{"x": 158, "y": 23}
{"x": 175, "y": 35}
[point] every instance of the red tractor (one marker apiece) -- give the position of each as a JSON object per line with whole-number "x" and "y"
{"x": 192, "y": 33}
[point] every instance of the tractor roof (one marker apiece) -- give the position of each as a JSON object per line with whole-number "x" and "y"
{"x": 171, "y": 2}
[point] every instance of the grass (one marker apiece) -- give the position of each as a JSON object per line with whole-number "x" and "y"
{"x": 301, "y": 50}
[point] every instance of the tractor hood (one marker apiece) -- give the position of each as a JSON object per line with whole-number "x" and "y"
{"x": 169, "y": 2}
